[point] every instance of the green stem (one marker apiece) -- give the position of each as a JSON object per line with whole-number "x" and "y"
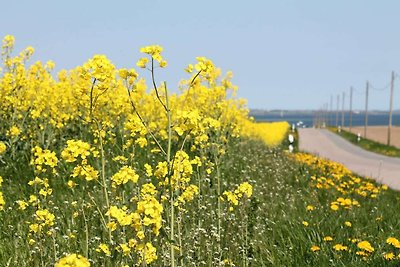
{"x": 86, "y": 234}
{"x": 103, "y": 161}
{"x": 156, "y": 89}
{"x": 180, "y": 238}
{"x": 144, "y": 123}
{"x": 103, "y": 176}
{"x": 199, "y": 208}
{"x": 98, "y": 209}
{"x": 54, "y": 246}
{"x": 91, "y": 97}
{"x": 172, "y": 208}
{"x": 219, "y": 206}
{"x": 244, "y": 228}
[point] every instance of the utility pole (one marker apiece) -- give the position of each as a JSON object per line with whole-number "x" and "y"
{"x": 314, "y": 119}
{"x": 351, "y": 109}
{"x": 366, "y": 110}
{"x": 326, "y": 114}
{"x": 343, "y": 97}
{"x": 337, "y": 110}
{"x": 330, "y": 112}
{"x": 321, "y": 118}
{"x": 391, "y": 108}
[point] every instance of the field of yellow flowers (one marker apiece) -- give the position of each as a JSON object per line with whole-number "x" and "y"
{"x": 100, "y": 168}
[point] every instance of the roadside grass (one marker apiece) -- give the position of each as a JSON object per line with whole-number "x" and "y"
{"x": 368, "y": 144}
{"x": 95, "y": 164}
{"x": 276, "y": 227}
{"x": 283, "y": 191}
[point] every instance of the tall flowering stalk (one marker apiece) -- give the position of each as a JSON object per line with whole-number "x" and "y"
{"x": 102, "y": 73}
{"x": 155, "y": 53}
{"x": 127, "y": 157}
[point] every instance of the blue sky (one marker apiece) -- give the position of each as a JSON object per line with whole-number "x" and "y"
{"x": 284, "y": 54}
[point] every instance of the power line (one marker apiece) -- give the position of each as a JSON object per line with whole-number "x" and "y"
{"x": 358, "y": 92}
{"x": 379, "y": 89}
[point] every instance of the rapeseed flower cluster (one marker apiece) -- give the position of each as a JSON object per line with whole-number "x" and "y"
{"x": 150, "y": 212}
{"x": 14, "y": 131}
{"x": 43, "y": 186}
{"x": 149, "y": 161}
{"x": 272, "y": 134}
{"x": 243, "y": 190}
{"x": 188, "y": 194}
{"x": 73, "y": 260}
{"x": 124, "y": 175}
{"x": 79, "y": 151}
{"x": 44, "y": 159}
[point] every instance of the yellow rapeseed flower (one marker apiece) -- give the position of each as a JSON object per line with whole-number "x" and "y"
{"x": 125, "y": 249}
{"x": 73, "y": 260}
{"x": 71, "y": 184}
{"x": 142, "y": 62}
{"x": 8, "y": 41}
{"x": 147, "y": 252}
{"x": 45, "y": 217}
{"x": 153, "y": 50}
{"x": 86, "y": 171}
{"x": 190, "y": 192}
{"x": 104, "y": 248}
{"x": 22, "y": 204}
{"x": 14, "y": 131}
{"x": 76, "y": 149}
{"x": 124, "y": 175}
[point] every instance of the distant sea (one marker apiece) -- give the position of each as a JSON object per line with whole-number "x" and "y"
{"x": 358, "y": 119}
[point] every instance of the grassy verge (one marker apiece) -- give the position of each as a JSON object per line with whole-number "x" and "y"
{"x": 369, "y": 145}
{"x": 291, "y": 213}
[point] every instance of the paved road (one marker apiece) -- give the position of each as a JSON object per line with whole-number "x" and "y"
{"x": 385, "y": 170}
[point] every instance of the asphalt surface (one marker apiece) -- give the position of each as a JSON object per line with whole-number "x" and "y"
{"x": 321, "y": 142}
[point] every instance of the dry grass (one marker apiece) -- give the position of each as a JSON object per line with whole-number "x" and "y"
{"x": 379, "y": 134}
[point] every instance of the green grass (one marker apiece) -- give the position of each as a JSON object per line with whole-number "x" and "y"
{"x": 368, "y": 144}
{"x": 267, "y": 230}
{"x": 282, "y": 193}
